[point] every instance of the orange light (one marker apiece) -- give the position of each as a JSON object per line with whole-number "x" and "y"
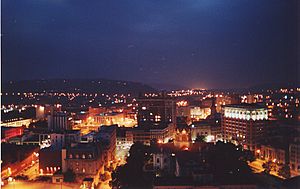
{"x": 258, "y": 151}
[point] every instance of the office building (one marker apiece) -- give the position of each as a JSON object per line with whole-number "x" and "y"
{"x": 156, "y": 110}
{"x": 244, "y": 124}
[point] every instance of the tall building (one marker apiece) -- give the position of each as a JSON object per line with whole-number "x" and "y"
{"x": 156, "y": 110}
{"x": 294, "y": 154}
{"x": 58, "y": 121}
{"x": 244, "y": 124}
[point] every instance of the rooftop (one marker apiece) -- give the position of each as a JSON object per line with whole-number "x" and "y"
{"x": 246, "y": 105}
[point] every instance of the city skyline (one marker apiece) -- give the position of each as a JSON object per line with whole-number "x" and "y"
{"x": 195, "y": 44}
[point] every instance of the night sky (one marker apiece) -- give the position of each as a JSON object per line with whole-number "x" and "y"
{"x": 192, "y": 43}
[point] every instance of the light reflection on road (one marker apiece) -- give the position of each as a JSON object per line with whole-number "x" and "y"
{"x": 38, "y": 185}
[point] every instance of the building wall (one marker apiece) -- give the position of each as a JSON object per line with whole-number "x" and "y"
{"x": 273, "y": 154}
{"x": 294, "y": 151}
{"x": 156, "y": 110}
{"x": 245, "y": 126}
{"x": 49, "y": 160}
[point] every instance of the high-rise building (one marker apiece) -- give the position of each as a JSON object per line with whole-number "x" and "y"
{"x": 156, "y": 110}
{"x": 58, "y": 121}
{"x": 244, "y": 124}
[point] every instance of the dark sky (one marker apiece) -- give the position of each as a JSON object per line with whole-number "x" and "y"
{"x": 193, "y": 43}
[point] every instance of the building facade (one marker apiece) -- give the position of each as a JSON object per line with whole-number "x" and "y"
{"x": 156, "y": 110}
{"x": 244, "y": 124}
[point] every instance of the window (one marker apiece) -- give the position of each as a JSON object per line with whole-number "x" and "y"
{"x": 157, "y": 160}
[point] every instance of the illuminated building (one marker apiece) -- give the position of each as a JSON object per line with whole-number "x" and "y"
{"x": 59, "y": 139}
{"x": 198, "y": 113}
{"x": 123, "y": 142}
{"x": 17, "y": 122}
{"x": 277, "y": 154}
{"x": 109, "y": 118}
{"x": 211, "y": 132}
{"x": 85, "y": 159}
{"x": 156, "y": 110}
{"x": 161, "y": 133}
{"x": 10, "y": 132}
{"x": 182, "y": 136}
{"x": 96, "y": 110}
{"x": 244, "y": 124}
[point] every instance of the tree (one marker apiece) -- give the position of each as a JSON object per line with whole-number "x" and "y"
{"x": 248, "y": 156}
{"x": 284, "y": 171}
{"x": 200, "y": 138}
{"x": 132, "y": 173}
{"x": 69, "y": 176}
{"x": 268, "y": 166}
{"x": 227, "y": 162}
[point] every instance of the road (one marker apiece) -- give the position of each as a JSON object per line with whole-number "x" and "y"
{"x": 17, "y": 168}
{"x": 38, "y": 185}
{"x": 256, "y": 166}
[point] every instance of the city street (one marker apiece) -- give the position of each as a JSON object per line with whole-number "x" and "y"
{"x": 256, "y": 166}
{"x": 17, "y": 168}
{"x": 38, "y": 185}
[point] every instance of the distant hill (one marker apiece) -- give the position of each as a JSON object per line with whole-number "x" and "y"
{"x": 76, "y": 85}
{"x": 167, "y": 87}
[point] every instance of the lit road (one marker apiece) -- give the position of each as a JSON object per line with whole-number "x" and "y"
{"x": 31, "y": 172}
{"x": 38, "y": 185}
{"x": 17, "y": 168}
{"x": 256, "y": 166}
{"x": 104, "y": 185}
